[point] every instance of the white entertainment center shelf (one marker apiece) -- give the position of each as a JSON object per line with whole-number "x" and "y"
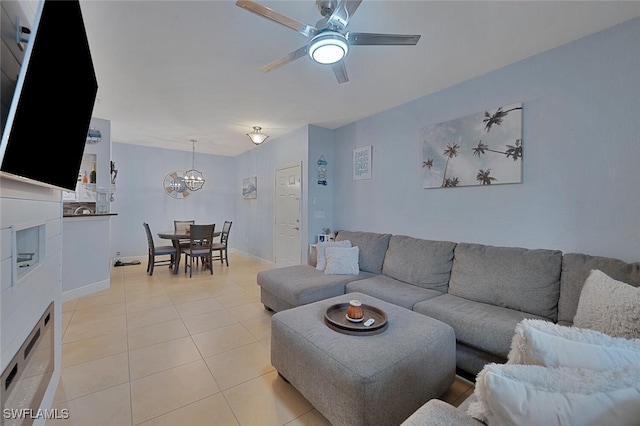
{"x": 27, "y": 248}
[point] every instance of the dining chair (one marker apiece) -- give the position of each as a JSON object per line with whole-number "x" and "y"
{"x": 154, "y": 252}
{"x": 200, "y": 242}
{"x": 182, "y": 226}
{"x": 221, "y": 247}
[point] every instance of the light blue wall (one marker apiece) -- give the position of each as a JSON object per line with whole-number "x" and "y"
{"x": 580, "y": 174}
{"x": 581, "y": 130}
{"x": 140, "y": 196}
{"x": 253, "y": 231}
{"x": 320, "y": 198}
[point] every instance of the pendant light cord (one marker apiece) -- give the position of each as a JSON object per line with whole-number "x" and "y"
{"x": 193, "y": 153}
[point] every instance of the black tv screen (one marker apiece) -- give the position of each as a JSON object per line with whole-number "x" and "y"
{"x": 46, "y": 128}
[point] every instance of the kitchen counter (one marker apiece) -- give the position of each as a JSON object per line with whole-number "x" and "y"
{"x": 90, "y": 215}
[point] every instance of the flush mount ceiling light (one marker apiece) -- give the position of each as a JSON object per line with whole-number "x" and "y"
{"x": 328, "y": 47}
{"x": 257, "y": 137}
{"x": 193, "y": 179}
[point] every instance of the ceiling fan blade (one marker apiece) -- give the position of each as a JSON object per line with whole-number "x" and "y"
{"x": 340, "y": 70}
{"x": 296, "y": 54}
{"x": 372, "y": 39}
{"x": 265, "y": 12}
{"x": 340, "y": 17}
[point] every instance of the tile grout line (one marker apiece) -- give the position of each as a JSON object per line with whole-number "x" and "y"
{"x": 126, "y": 331}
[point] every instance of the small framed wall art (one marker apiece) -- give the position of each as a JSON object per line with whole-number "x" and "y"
{"x": 250, "y": 187}
{"x": 362, "y": 163}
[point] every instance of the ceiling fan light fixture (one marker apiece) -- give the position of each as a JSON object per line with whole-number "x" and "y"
{"x": 257, "y": 137}
{"x": 328, "y": 47}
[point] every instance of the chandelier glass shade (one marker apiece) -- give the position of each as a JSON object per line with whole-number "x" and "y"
{"x": 257, "y": 137}
{"x": 193, "y": 179}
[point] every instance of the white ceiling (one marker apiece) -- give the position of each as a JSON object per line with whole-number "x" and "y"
{"x": 172, "y": 71}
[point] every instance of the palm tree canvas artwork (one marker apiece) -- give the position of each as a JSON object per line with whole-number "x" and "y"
{"x": 479, "y": 149}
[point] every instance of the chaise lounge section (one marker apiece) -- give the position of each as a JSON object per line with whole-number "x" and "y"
{"x": 285, "y": 288}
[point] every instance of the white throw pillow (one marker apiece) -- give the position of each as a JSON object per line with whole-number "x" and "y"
{"x": 609, "y": 306}
{"x": 342, "y": 261}
{"x": 539, "y": 342}
{"x": 320, "y": 250}
{"x": 509, "y": 394}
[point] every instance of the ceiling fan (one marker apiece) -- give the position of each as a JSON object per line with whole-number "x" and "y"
{"x": 329, "y": 42}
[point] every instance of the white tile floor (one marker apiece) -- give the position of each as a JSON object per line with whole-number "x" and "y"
{"x": 170, "y": 350}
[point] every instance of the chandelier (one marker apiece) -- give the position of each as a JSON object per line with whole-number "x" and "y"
{"x": 193, "y": 179}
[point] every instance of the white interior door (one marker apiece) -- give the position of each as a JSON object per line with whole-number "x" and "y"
{"x": 287, "y": 204}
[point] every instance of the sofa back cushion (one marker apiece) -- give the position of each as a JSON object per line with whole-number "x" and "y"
{"x": 527, "y": 280}
{"x": 423, "y": 263}
{"x": 372, "y": 248}
{"x": 576, "y": 268}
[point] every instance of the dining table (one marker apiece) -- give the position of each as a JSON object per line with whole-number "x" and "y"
{"x": 175, "y": 236}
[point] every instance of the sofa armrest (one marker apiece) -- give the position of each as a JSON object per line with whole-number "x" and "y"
{"x": 439, "y": 413}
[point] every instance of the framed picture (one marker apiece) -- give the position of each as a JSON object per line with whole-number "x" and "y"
{"x": 250, "y": 187}
{"x": 323, "y": 238}
{"x": 479, "y": 149}
{"x": 362, "y": 163}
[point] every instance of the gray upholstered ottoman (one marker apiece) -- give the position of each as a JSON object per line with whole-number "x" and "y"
{"x": 363, "y": 380}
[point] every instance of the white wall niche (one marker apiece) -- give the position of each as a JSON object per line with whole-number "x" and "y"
{"x": 28, "y": 248}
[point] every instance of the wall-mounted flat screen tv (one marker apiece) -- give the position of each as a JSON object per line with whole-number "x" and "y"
{"x": 48, "y": 120}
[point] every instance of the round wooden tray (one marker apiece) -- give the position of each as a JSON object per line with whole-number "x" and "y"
{"x": 336, "y": 319}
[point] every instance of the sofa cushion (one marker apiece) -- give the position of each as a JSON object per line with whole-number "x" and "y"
{"x": 321, "y": 259}
{"x": 544, "y": 343}
{"x": 342, "y": 260}
{"x": 439, "y": 413}
{"x": 476, "y": 324}
{"x": 419, "y": 262}
{"x": 609, "y": 306}
{"x": 302, "y": 284}
{"x": 576, "y": 267}
{"x": 527, "y": 280}
{"x": 535, "y": 395}
{"x": 372, "y": 248}
{"x": 392, "y": 291}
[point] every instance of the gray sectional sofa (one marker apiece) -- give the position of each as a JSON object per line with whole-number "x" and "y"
{"x": 482, "y": 291}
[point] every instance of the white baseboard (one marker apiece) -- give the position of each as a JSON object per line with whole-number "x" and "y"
{"x": 143, "y": 259}
{"x": 259, "y": 259}
{"x": 85, "y": 290}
